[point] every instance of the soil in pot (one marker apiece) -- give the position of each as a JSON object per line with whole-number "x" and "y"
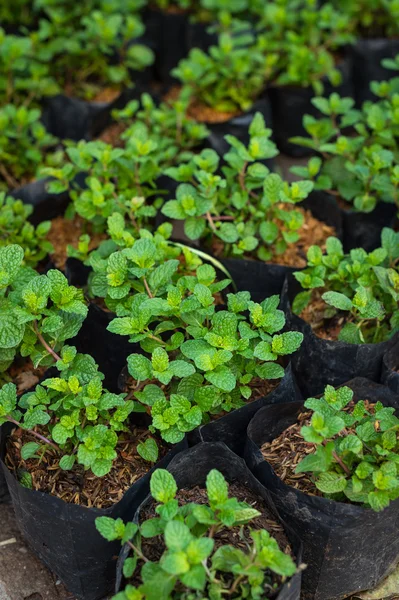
{"x": 23, "y": 374}
{"x": 315, "y": 315}
{"x": 238, "y": 537}
{"x": 287, "y": 450}
{"x": 66, "y": 232}
{"x": 313, "y": 232}
{"x": 201, "y": 112}
{"x": 78, "y": 486}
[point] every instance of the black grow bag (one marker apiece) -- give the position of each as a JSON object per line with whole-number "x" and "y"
{"x": 190, "y": 469}
{"x": 367, "y": 56}
{"x": 231, "y": 429}
{"x": 75, "y": 119}
{"x": 347, "y": 548}
{"x": 359, "y": 230}
{"x": 64, "y": 535}
{"x": 390, "y": 368}
{"x": 291, "y": 103}
{"x": 45, "y": 205}
{"x": 319, "y": 361}
{"x": 110, "y": 351}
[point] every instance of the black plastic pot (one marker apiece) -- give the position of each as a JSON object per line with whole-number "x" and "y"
{"x": 198, "y": 36}
{"x": 291, "y": 103}
{"x": 390, "y": 368}
{"x": 238, "y": 126}
{"x": 359, "y": 230}
{"x": 166, "y": 35}
{"x": 64, "y": 535}
{"x": 319, "y": 362}
{"x": 110, "y": 351}
{"x": 231, "y": 429}
{"x": 45, "y": 205}
{"x": 347, "y": 548}
{"x": 190, "y": 469}
{"x": 367, "y": 56}
{"x": 75, "y": 119}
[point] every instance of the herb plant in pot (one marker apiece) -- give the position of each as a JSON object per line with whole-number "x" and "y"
{"x": 358, "y": 168}
{"x": 348, "y": 312}
{"x": 310, "y": 41}
{"x": 227, "y": 85}
{"x": 330, "y": 466}
{"x": 204, "y": 489}
{"x": 246, "y": 216}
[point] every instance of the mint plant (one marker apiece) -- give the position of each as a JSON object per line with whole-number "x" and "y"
{"x": 356, "y": 449}
{"x": 117, "y": 181}
{"x": 38, "y": 313}
{"x": 362, "y": 287}
{"x": 81, "y": 52}
{"x": 191, "y": 565}
{"x": 23, "y": 78}
{"x": 174, "y": 134}
{"x": 70, "y": 414}
{"x": 360, "y": 168}
{"x": 231, "y": 76}
{"x": 16, "y": 229}
{"x": 246, "y": 208}
{"x": 23, "y": 144}
{"x": 377, "y": 18}
{"x": 196, "y": 361}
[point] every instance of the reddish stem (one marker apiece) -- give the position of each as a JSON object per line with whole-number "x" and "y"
{"x": 38, "y": 435}
{"x": 44, "y": 343}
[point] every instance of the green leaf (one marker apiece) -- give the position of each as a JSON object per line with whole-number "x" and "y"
{"x": 148, "y": 450}
{"x": 163, "y": 486}
{"x": 222, "y": 377}
{"x": 338, "y": 300}
{"x": 177, "y": 535}
{"x": 110, "y": 529}
{"x": 175, "y": 563}
{"x": 216, "y": 487}
{"x": 29, "y": 450}
{"x": 287, "y": 343}
{"x": 331, "y": 483}
{"x": 67, "y": 462}
{"x": 139, "y": 367}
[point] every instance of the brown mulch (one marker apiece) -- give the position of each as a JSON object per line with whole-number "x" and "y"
{"x": 68, "y": 231}
{"x": 287, "y": 450}
{"x": 107, "y": 94}
{"x": 313, "y": 313}
{"x": 238, "y": 536}
{"x": 112, "y": 134}
{"x": 198, "y": 111}
{"x": 79, "y": 486}
{"x": 24, "y": 375}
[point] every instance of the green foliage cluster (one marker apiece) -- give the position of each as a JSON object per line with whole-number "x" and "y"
{"x": 359, "y": 147}
{"x": 195, "y": 360}
{"x": 191, "y": 566}
{"x": 117, "y": 180}
{"x": 356, "y": 454}
{"x": 38, "y": 313}
{"x": 167, "y": 125}
{"x": 247, "y": 208}
{"x": 23, "y": 144}
{"x": 362, "y": 286}
{"x": 16, "y": 229}
{"x": 371, "y": 18}
{"x": 75, "y": 416}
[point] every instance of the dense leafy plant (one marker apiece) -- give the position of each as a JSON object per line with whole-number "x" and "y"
{"x": 23, "y": 143}
{"x": 117, "y": 181}
{"x": 196, "y": 361}
{"x": 357, "y": 448}
{"x": 371, "y": 18}
{"x": 16, "y": 229}
{"x": 71, "y": 414}
{"x": 37, "y": 312}
{"x": 174, "y": 134}
{"x": 247, "y": 208}
{"x": 359, "y": 168}
{"x": 306, "y": 37}
{"x": 191, "y": 566}
{"x": 23, "y": 78}
{"x": 231, "y": 76}
{"x": 87, "y": 51}
{"x": 364, "y": 287}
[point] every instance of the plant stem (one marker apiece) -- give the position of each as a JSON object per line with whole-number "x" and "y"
{"x": 38, "y": 435}
{"x": 137, "y": 551}
{"x": 44, "y": 343}
{"x": 341, "y": 463}
{"x": 147, "y": 287}
{"x": 210, "y": 221}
